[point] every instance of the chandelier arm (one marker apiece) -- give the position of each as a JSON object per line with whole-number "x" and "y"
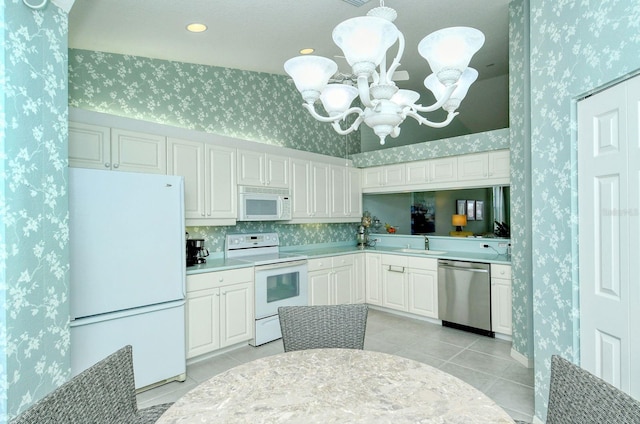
{"x": 424, "y": 121}
{"x": 396, "y": 60}
{"x": 353, "y": 127}
{"x": 336, "y": 118}
{"x": 363, "y": 91}
{"x": 437, "y": 105}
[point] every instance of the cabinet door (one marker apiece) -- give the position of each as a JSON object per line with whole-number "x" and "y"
{"x": 236, "y": 313}
{"x": 338, "y": 191}
{"x": 473, "y": 167}
{"x": 373, "y": 282}
{"x": 418, "y": 172}
{"x": 186, "y": 158}
{"x": 342, "y": 285}
{"x": 359, "y": 278}
{"x": 203, "y": 325}
{"x": 499, "y": 164}
{"x": 319, "y": 287}
{"x": 354, "y": 193}
{"x": 372, "y": 177}
{"x": 251, "y": 168}
{"x": 89, "y": 146}
{"x": 221, "y": 189}
{"x": 138, "y": 152}
{"x": 277, "y": 171}
{"x": 423, "y": 292}
{"x": 394, "y": 287}
{"x": 301, "y": 188}
{"x": 394, "y": 175}
{"x": 443, "y": 170}
{"x": 321, "y": 183}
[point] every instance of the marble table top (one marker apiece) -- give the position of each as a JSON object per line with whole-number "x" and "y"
{"x": 334, "y": 386}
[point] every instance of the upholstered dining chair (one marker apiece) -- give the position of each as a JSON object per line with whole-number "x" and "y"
{"x": 325, "y": 326}
{"x": 579, "y": 397}
{"x": 102, "y": 394}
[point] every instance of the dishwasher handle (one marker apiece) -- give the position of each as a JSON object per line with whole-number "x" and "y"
{"x": 459, "y": 268}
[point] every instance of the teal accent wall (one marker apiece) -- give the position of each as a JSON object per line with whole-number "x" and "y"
{"x": 34, "y": 290}
{"x": 260, "y": 107}
{"x": 576, "y": 47}
{"x": 519, "y": 126}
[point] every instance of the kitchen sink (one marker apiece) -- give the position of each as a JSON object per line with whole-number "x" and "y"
{"x": 423, "y": 252}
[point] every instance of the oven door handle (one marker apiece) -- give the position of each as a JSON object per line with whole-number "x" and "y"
{"x": 281, "y": 265}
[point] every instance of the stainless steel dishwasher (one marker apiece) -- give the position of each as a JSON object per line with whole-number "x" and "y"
{"x": 464, "y": 296}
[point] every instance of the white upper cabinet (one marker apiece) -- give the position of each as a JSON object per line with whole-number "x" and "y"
{"x": 346, "y": 195}
{"x": 384, "y": 176}
{"x": 263, "y": 169}
{"x": 310, "y": 190}
{"x": 99, "y": 147}
{"x": 210, "y": 192}
{"x": 484, "y": 166}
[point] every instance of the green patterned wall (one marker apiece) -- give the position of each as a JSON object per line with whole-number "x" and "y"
{"x": 254, "y": 106}
{"x": 34, "y": 328}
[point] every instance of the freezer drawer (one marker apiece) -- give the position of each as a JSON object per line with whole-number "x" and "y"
{"x": 464, "y": 295}
{"x": 156, "y": 334}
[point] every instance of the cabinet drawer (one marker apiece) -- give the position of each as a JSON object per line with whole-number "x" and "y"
{"x": 343, "y": 260}
{"x": 423, "y": 263}
{"x": 501, "y": 271}
{"x": 394, "y": 260}
{"x": 209, "y": 280}
{"x": 317, "y": 264}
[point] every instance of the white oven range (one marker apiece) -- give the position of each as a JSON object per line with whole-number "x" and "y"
{"x": 280, "y": 279}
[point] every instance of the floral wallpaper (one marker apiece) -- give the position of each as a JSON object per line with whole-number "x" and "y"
{"x": 34, "y": 328}
{"x": 519, "y": 117}
{"x": 480, "y": 142}
{"x": 576, "y": 47}
{"x": 249, "y": 105}
{"x": 290, "y": 234}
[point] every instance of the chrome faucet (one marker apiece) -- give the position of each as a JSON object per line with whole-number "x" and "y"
{"x": 426, "y": 243}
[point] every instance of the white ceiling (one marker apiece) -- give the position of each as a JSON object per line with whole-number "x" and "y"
{"x": 260, "y": 35}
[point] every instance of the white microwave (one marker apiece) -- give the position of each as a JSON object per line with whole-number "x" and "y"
{"x": 263, "y": 204}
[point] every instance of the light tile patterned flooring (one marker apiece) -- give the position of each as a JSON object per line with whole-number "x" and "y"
{"x": 483, "y": 362}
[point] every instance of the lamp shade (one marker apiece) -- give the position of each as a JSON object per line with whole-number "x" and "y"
{"x": 336, "y": 98}
{"x": 365, "y": 39}
{"x": 449, "y": 51}
{"x": 467, "y": 78}
{"x": 459, "y": 220}
{"x": 405, "y": 97}
{"x": 310, "y": 74}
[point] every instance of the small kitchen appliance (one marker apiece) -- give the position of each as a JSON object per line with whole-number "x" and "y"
{"x": 361, "y": 237}
{"x": 196, "y": 252}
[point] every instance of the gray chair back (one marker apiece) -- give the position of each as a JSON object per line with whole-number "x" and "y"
{"x": 327, "y": 326}
{"x": 103, "y": 393}
{"x": 579, "y": 397}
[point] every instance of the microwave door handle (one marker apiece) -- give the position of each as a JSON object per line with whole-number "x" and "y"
{"x": 280, "y": 211}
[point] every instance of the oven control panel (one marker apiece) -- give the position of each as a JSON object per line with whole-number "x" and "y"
{"x": 246, "y": 241}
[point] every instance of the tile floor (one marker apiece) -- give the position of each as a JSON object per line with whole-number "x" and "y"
{"x": 483, "y": 362}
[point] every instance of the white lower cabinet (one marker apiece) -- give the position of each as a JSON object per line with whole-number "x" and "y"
{"x": 501, "y": 298}
{"x": 373, "y": 275}
{"x": 219, "y": 310}
{"x": 410, "y": 284}
{"x": 332, "y": 280}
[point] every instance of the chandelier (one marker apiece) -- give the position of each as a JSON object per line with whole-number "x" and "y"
{"x": 364, "y": 41}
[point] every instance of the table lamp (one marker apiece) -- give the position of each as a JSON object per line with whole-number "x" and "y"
{"x": 459, "y": 221}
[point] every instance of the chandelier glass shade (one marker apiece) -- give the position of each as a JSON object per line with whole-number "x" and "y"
{"x": 365, "y": 41}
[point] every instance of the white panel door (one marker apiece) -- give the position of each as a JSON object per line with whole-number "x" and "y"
{"x": 608, "y": 227}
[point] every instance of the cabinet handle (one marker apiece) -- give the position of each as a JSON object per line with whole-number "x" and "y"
{"x": 116, "y": 165}
{"x": 221, "y": 279}
{"x": 398, "y": 269}
{"x": 107, "y": 165}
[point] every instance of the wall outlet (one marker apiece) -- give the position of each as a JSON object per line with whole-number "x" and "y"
{"x": 484, "y": 245}
{"x": 502, "y": 244}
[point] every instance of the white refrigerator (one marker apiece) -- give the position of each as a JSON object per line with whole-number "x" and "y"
{"x": 127, "y": 271}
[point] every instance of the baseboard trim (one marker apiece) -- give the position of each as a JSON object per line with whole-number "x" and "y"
{"x": 521, "y": 358}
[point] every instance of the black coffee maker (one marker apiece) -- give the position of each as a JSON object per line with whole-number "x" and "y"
{"x": 196, "y": 252}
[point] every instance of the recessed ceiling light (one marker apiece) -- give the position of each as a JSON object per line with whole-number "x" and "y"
{"x": 195, "y": 27}
{"x": 307, "y": 51}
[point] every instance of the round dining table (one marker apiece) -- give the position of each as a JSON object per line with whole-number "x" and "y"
{"x": 334, "y": 386}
